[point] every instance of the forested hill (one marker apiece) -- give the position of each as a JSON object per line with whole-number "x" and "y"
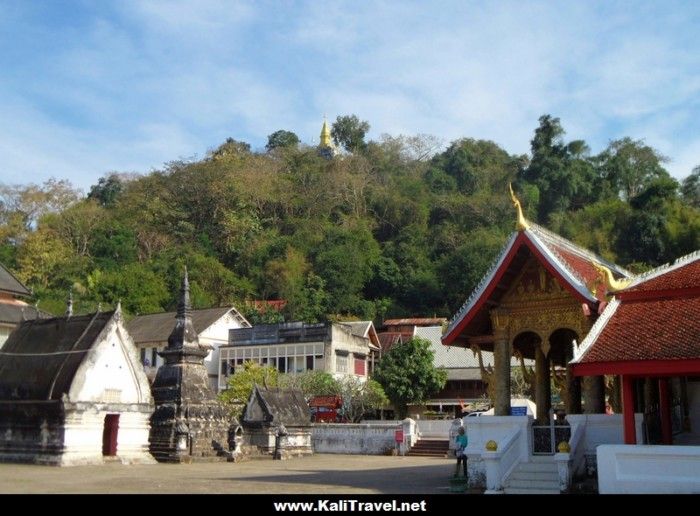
{"x": 387, "y": 228}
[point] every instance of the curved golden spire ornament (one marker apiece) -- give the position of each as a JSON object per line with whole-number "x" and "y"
{"x": 612, "y": 284}
{"x": 522, "y": 223}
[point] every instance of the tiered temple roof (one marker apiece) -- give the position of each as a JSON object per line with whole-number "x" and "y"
{"x": 573, "y": 266}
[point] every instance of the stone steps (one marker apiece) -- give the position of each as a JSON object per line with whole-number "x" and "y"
{"x": 537, "y": 477}
{"x": 513, "y": 490}
{"x": 429, "y": 448}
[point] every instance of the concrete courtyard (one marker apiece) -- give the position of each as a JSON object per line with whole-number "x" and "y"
{"x": 318, "y": 474}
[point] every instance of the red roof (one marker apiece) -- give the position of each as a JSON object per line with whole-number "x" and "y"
{"x": 389, "y": 339}
{"x": 416, "y": 321}
{"x": 654, "y": 321}
{"x": 682, "y": 277}
{"x": 570, "y": 264}
{"x": 649, "y": 330}
{"x": 584, "y": 269}
{"x": 326, "y": 401}
{"x": 266, "y": 304}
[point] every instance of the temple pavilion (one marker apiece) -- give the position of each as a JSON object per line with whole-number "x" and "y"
{"x": 539, "y": 300}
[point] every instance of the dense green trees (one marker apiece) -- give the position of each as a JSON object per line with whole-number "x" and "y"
{"x": 391, "y": 228}
{"x": 349, "y": 132}
{"x": 691, "y": 188}
{"x": 408, "y": 375}
{"x": 282, "y": 139}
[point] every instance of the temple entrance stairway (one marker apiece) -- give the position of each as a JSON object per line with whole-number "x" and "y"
{"x": 539, "y": 476}
{"x": 429, "y": 448}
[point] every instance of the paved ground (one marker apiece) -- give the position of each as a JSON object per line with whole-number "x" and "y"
{"x": 319, "y": 474}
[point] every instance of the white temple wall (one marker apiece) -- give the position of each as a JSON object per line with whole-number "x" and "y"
{"x": 362, "y": 438}
{"x": 111, "y": 373}
{"x": 648, "y": 469}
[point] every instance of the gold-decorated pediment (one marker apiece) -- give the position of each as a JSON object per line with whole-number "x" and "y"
{"x": 535, "y": 285}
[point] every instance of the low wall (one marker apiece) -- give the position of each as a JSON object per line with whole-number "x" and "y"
{"x": 500, "y": 429}
{"x": 373, "y": 438}
{"x": 643, "y": 469}
{"x": 434, "y": 429}
{"x": 601, "y": 429}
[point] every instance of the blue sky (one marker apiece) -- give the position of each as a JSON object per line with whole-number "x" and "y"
{"x": 92, "y": 87}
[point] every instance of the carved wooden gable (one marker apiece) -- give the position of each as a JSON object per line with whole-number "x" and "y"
{"x": 538, "y": 302}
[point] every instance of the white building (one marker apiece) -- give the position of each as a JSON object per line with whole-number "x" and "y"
{"x": 341, "y": 349}
{"x": 72, "y": 392}
{"x": 150, "y": 333}
{"x": 12, "y": 309}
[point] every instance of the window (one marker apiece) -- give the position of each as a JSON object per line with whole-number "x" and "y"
{"x": 341, "y": 364}
{"x": 360, "y": 366}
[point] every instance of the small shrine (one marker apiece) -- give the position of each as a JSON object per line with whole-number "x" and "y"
{"x": 189, "y": 423}
{"x": 277, "y": 422}
{"x": 72, "y": 392}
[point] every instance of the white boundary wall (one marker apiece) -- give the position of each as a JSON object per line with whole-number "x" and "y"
{"x": 643, "y": 469}
{"x": 435, "y": 428}
{"x": 375, "y": 438}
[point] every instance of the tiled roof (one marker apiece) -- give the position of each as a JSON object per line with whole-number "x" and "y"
{"x": 41, "y": 357}
{"x": 656, "y": 318}
{"x": 389, "y": 339}
{"x": 649, "y": 330}
{"x": 451, "y": 357}
{"x": 9, "y": 283}
{"x": 463, "y": 373}
{"x": 577, "y": 261}
{"x": 157, "y": 327}
{"x": 416, "y": 321}
{"x": 684, "y": 273}
{"x": 277, "y": 407}
{"x": 14, "y": 313}
{"x": 448, "y": 356}
{"x": 364, "y": 329}
{"x": 265, "y": 304}
{"x": 573, "y": 265}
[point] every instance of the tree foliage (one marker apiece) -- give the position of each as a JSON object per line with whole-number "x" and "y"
{"x": 361, "y": 397}
{"x": 691, "y": 188}
{"x": 311, "y": 383}
{"x": 282, "y": 139}
{"x": 630, "y": 166}
{"x": 241, "y": 384}
{"x": 408, "y": 375}
{"x": 349, "y": 132}
{"x": 107, "y": 190}
{"x": 394, "y": 228}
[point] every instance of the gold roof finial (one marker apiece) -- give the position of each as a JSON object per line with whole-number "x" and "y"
{"x": 325, "y": 134}
{"x": 612, "y": 284}
{"x": 522, "y": 223}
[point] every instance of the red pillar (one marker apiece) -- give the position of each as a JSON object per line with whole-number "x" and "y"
{"x": 628, "y": 410}
{"x": 665, "y": 411}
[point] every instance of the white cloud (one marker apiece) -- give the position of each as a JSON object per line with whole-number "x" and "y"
{"x": 163, "y": 79}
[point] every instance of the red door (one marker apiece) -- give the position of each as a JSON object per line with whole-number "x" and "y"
{"x": 109, "y": 436}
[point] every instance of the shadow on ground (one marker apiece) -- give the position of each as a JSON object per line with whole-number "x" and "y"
{"x": 399, "y": 479}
